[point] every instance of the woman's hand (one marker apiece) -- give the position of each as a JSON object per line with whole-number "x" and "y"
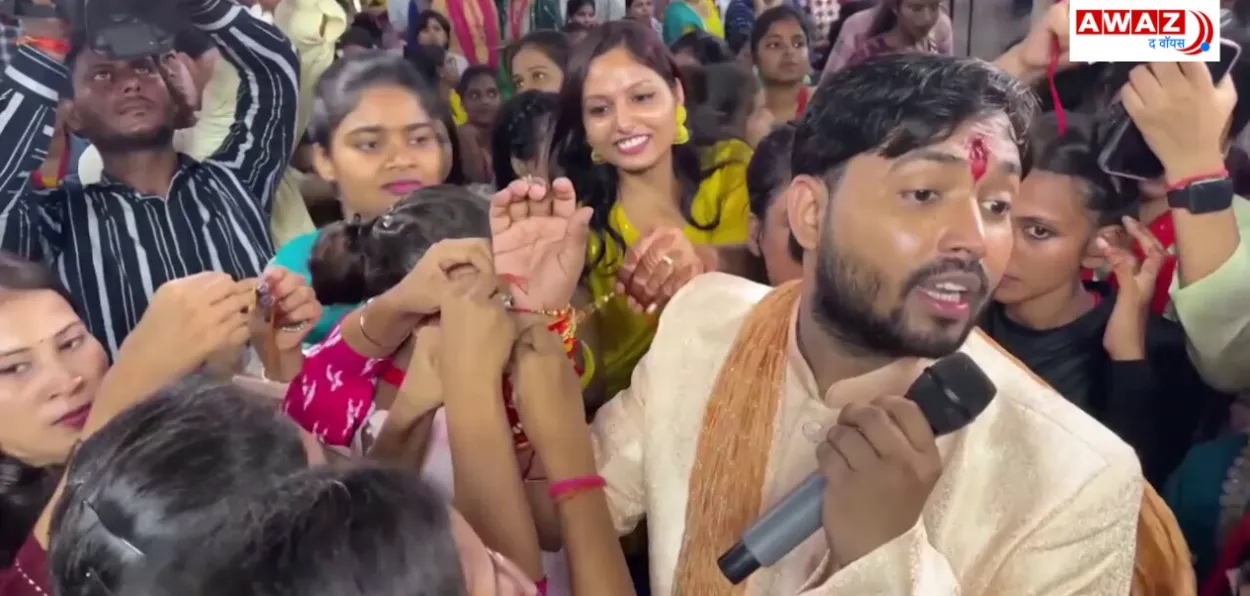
{"x": 477, "y": 332}
{"x": 1125, "y": 337}
{"x": 285, "y": 301}
{"x": 187, "y": 320}
{"x": 657, "y": 266}
{"x": 548, "y": 392}
{"x": 1031, "y": 58}
{"x": 539, "y": 237}
{"x": 422, "y": 292}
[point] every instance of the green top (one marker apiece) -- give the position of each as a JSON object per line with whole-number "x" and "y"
{"x": 293, "y": 256}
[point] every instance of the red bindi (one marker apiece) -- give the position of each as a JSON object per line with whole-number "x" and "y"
{"x": 978, "y": 158}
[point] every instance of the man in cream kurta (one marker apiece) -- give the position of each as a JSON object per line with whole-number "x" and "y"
{"x": 1036, "y": 497}
{"x": 901, "y": 250}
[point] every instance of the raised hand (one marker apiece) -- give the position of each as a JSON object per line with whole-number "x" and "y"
{"x": 477, "y": 333}
{"x": 539, "y": 239}
{"x": 1125, "y": 336}
{"x": 1182, "y": 114}
{"x": 182, "y": 89}
{"x": 659, "y": 265}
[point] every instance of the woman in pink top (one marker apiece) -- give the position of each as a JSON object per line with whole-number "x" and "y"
{"x": 894, "y": 26}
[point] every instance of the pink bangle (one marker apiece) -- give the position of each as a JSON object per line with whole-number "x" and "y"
{"x": 562, "y": 489}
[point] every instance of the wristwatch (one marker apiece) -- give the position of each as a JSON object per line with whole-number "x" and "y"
{"x": 1203, "y": 196}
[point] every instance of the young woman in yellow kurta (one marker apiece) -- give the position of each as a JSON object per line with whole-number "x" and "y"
{"x": 632, "y": 156}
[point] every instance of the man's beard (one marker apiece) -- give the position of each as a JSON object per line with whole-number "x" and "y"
{"x": 846, "y": 290}
{"x": 157, "y": 138}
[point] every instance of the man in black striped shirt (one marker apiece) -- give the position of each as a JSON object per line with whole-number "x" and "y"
{"x": 156, "y": 215}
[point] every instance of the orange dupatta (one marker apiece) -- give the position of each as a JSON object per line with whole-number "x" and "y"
{"x": 734, "y": 445}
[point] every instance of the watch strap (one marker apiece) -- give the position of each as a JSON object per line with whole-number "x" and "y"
{"x": 1202, "y": 196}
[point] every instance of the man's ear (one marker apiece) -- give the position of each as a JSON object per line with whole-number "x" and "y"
{"x": 67, "y": 109}
{"x": 805, "y": 202}
{"x": 322, "y": 164}
{"x": 1093, "y": 257}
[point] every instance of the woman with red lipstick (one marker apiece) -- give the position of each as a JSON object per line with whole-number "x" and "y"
{"x": 378, "y": 132}
{"x": 50, "y": 369}
{"x": 54, "y": 389}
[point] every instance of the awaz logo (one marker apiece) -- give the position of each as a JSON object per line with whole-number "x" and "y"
{"x": 1144, "y": 33}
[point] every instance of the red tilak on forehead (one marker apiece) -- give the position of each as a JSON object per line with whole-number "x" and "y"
{"x": 978, "y": 158}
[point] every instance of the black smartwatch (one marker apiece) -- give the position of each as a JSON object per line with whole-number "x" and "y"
{"x": 1203, "y": 196}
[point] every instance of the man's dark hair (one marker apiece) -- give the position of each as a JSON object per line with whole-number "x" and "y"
{"x": 899, "y": 103}
{"x": 323, "y": 532}
{"x": 157, "y": 469}
{"x": 1075, "y": 153}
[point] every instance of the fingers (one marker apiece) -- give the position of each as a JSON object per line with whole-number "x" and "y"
{"x": 1142, "y": 80}
{"x": 853, "y": 447}
{"x": 1153, "y": 253}
{"x": 1197, "y": 73}
{"x": 474, "y": 252}
{"x": 563, "y": 198}
{"x": 907, "y": 418}
{"x": 500, "y": 202}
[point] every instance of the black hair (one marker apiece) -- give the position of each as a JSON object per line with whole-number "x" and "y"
{"x": 357, "y": 36}
{"x": 157, "y": 469}
{"x": 884, "y": 20}
{"x": 456, "y": 174}
{"x": 596, "y": 184}
{"x": 193, "y": 42}
{"x": 769, "y": 173}
{"x": 844, "y": 13}
{"x": 705, "y": 47}
{"x": 427, "y": 60}
{"x": 1075, "y": 153}
{"x": 340, "y": 87}
{"x": 720, "y": 98}
{"x": 928, "y": 97}
{"x": 472, "y": 73}
{"x": 553, "y": 44}
{"x": 572, "y": 6}
{"x": 423, "y": 20}
{"x": 775, "y": 15}
{"x": 332, "y": 531}
{"x": 366, "y": 21}
{"x": 24, "y": 489}
{"x": 353, "y": 261}
{"x": 522, "y": 130}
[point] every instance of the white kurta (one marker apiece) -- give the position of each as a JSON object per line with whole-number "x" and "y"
{"x": 1036, "y": 499}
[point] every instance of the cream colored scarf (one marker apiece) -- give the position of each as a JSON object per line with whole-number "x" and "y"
{"x": 734, "y": 445}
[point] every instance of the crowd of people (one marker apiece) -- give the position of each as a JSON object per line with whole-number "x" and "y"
{"x": 499, "y": 298}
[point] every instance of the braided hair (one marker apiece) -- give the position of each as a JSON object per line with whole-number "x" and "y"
{"x": 523, "y": 131}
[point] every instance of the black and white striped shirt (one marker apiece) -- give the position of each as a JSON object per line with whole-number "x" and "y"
{"x": 113, "y": 246}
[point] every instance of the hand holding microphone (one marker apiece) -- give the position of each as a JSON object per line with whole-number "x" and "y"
{"x": 877, "y": 467}
{"x": 880, "y": 463}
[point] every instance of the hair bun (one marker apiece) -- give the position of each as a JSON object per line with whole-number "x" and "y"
{"x": 339, "y": 262}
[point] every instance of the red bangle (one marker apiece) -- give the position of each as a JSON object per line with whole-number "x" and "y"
{"x": 47, "y": 44}
{"x": 562, "y": 489}
{"x": 1187, "y": 182}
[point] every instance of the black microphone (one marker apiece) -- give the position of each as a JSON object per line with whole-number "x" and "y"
{"x": 951, "y": 393}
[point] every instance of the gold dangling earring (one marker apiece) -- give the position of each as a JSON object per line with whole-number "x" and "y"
{"x": 683, "y": 134}
{"x": 595, "y": 158}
